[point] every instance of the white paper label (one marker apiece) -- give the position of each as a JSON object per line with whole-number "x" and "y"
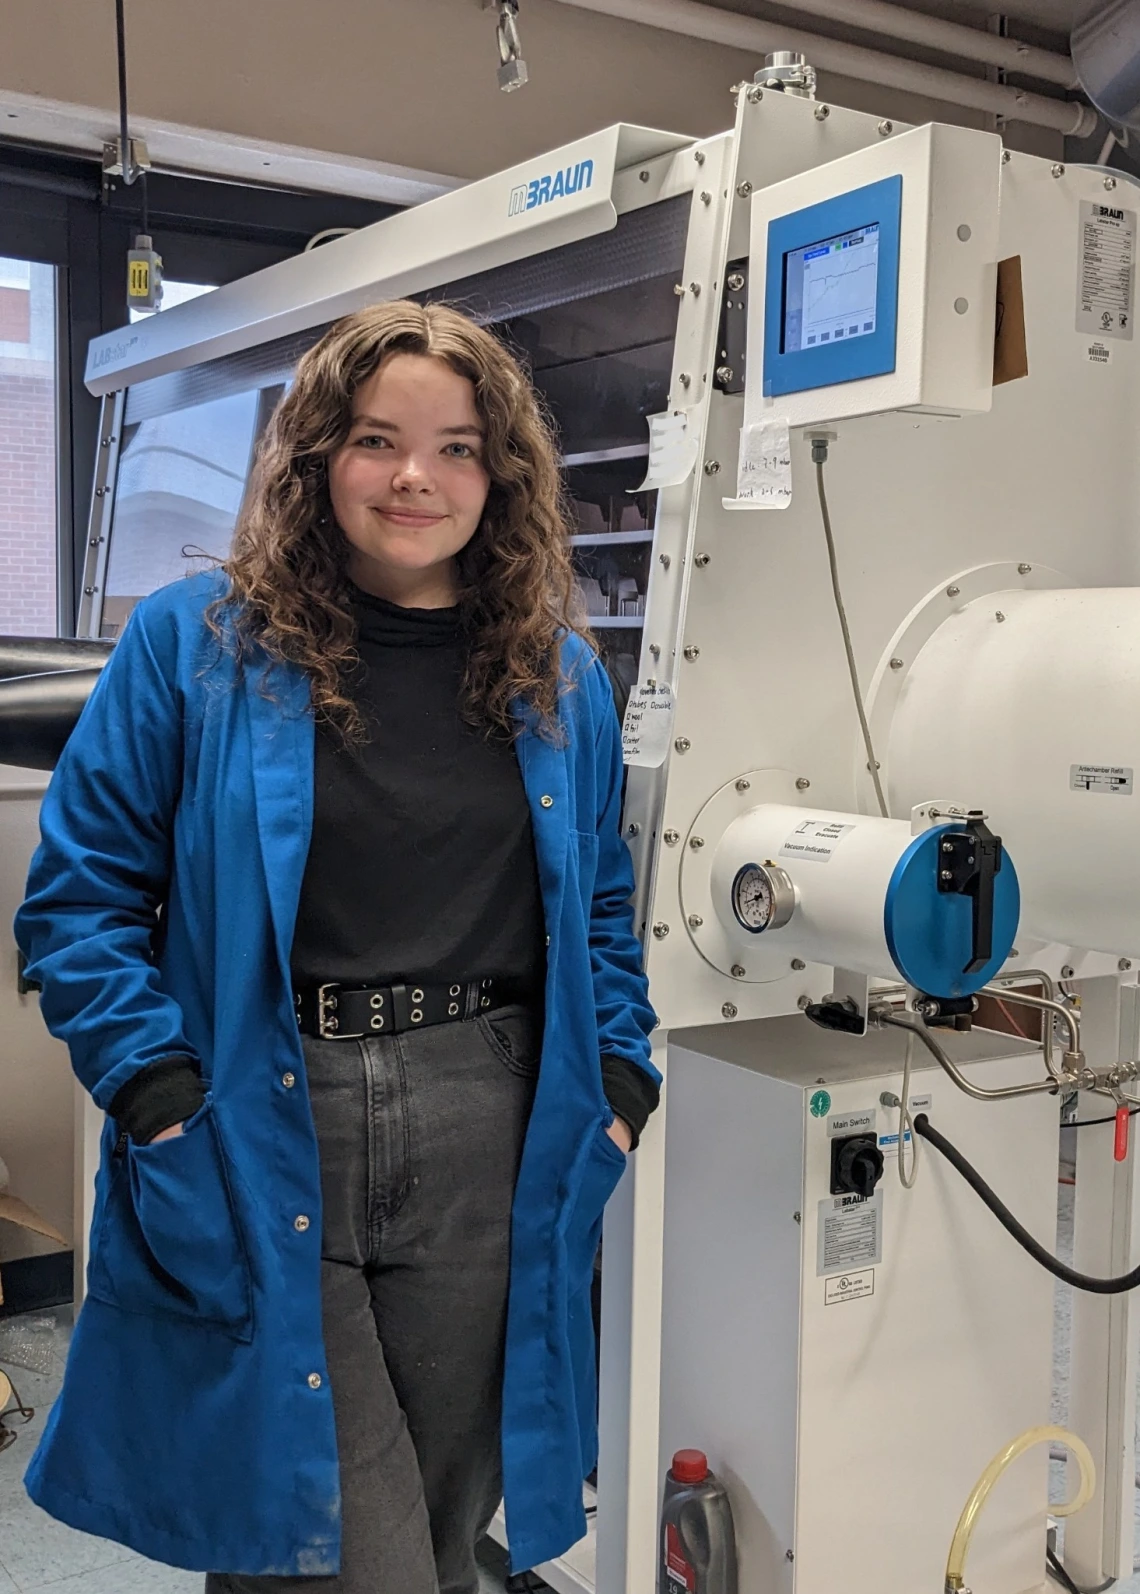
{"x": 1106, "y": 271}
{"x": 814, "y": 841}
{"x": 852, "y": 1123}
{"x": 647, "y": 725}
{"x": 850, "y": 1233}
{"x": 672, "y": 450}
{"x": 849, "y": 1287}
{"x": 764, "y": 471}
{"x": 1099, "y": 353}
{"x": 1115, "y": 779}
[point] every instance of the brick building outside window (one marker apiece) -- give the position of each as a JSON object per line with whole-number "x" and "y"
{"x": 28, "y": 514}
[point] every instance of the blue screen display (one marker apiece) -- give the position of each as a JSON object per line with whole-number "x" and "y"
{"x": 830, "y": 289}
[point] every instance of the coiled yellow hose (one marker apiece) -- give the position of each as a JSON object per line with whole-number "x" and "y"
{"x": 956, "y": 1562}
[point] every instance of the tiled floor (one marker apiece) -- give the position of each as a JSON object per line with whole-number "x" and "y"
{"x": 37, "y": 1552}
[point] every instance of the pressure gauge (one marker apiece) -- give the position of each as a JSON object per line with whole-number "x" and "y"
{"x": 763, "y": 897}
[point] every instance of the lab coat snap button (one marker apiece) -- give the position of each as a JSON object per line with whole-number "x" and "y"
{"x": 547, "y": 802}
{"x": 288, "y": 1080}
{"x": 314, "y": 1380}
{"x": 300, "y": 1223}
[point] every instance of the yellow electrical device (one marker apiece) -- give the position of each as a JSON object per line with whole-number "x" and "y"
{"x": 144, "y": 275}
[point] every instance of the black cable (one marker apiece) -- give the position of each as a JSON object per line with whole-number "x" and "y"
{"x": 1052, "y": 1264}
{"x": 1058, "y": 1573}
{"x": 124, "y": 137}
{"x": 1087, "y": 1123}
{"x": 145, "y": 204}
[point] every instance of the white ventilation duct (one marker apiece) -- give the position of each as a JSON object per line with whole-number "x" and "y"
{"x": 1106, "y": 53}
{"x": 760, "y": 38}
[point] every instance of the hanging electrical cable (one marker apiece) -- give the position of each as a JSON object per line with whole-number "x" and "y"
{"x": 144, "y": 264}
{"x": 512, "y": 68}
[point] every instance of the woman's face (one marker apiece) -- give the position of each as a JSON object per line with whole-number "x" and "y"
{"x": 409, "y": 484}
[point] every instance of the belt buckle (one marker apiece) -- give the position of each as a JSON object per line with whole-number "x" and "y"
{"x": 328, "y": 1024}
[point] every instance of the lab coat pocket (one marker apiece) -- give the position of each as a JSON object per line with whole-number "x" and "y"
{"x": 604, "y": 1165}
{"x": 170, "y": 1242}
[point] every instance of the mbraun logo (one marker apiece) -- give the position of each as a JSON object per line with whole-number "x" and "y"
{"x": 554, "y": 185}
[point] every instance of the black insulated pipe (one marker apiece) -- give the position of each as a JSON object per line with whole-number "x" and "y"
{"x": 39, "y": 712}
{"x": 32, "y": 655}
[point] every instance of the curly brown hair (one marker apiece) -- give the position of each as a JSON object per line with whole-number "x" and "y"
{"x": 289, "y": 591}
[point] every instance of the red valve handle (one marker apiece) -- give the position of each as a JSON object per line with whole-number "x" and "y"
{"x": 1120, "y": 1150}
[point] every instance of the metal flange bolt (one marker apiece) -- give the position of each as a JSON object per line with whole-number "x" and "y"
{"x": 672, "y": 837}
{"x": 661, "y": 930}
{"x": 729, "y": 1010}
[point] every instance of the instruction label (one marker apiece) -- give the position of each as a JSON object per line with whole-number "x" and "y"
{"x": 1115, "y": 779}
{"x": 646, "y": 727}
{"x": 849, "y": 1287}
{"x": 814, "y": 841}
{"x": 1106, "y": 270}
{"x": 850, "y": 1233}
{"x": 764, "y": 471}
{"x": 672, "y": 450}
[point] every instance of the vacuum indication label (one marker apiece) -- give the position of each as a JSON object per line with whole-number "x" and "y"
{"x": 850, "y": 1233}
{"x": 814, "y": 841}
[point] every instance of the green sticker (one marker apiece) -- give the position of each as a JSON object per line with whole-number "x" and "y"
{"x": 820, "y": 1104}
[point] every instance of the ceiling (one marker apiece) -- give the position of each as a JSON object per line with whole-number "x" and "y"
{"x": 1037, "y": 21}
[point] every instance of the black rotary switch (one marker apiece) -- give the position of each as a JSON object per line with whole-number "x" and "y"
{"x": 856, "y": 1165}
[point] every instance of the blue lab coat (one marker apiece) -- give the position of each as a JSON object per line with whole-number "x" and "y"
{"x": 196, "y": 1423}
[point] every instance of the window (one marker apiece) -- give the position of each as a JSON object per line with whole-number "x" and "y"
{"x": 180, "y": 486}
{"x": 175, "y": 293}
{"x": 28, "y": 521}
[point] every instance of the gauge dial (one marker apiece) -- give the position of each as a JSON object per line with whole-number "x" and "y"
{"x": 763, "y": 897}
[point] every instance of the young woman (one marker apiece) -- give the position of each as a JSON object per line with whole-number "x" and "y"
{"x": 332, "y": 909}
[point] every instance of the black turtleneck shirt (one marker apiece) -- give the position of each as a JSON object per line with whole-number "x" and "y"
{"x": 421, "y": 864}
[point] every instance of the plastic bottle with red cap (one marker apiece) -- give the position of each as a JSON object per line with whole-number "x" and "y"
{"x": 698, "y": 1540}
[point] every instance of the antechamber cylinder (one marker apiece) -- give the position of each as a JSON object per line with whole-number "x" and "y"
{"x": 1027, "y": 704}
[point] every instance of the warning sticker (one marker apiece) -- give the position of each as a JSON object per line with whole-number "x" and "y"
{"x": 850, "y": 1233}
{"x": 1115, "y": 779}
{"x": 1106, "y": 271}
{"x": 849, "y": 1287}
{"x": 814, "y": 841}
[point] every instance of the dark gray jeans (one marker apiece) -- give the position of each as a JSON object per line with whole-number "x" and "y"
{"x": 420, "y": 1138}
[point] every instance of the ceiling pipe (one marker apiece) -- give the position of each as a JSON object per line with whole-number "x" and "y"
{"x": 1106, "y": 50}
{"x": 951, "y": 38}
{"x": 699, "y": 21}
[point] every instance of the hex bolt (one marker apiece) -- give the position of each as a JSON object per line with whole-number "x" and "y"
{"x": 802, "y": 783}
{"x": 885, "y": 131}
{"x": 1024, "y": 569}
{"x": 738, "y": 971}
{"x": 1110, "y": 183}
{"x": 947, "y": 846}
{"x": 953, "y": 592}
{"x": 725, "y": 373}
{"x": 729, "y": 1010}
{"x": 735, "y": 281}
{"x": 682, "y": 744}
{"x": 706, "y": 197}
{"x": 701, "y": 561}
{"x": 946, "y": 874}
{"x": 743, "y": 189}
{"x": 695, "y": 289}
{"x": 712, "y": 467}
{"x": 644, "y": 176}
{"x": 692, "y": 653}
{"x": 999, "y": 616}
{"x": 1057, "y": 169}
{"x": 699, "y": 156}
{"x": 803, "y": 1003}
{"x": 655, "y": 649}
{"x": 671, "y": 837}
{"x": 896, "y": 664}
{"x": 1006, "y": 157}
{"x": 755, "y": 94}
{"x": 684, "y": 378}
{"x": 797, "y": 1217}
{"x": 1068, "y": 971}
{"x": 633, "y": 828}
{"x": 1124, "y": 965}
{"x": 665, "y": 560}
{"x": 790, "y": 1555}
{"x": 798, "y": 965}
{"x": 661, "y": 930}
{"x": 696, "y": 842}
{"x": 743, "y": 785}
{"x": 822, "y": 112}
{"x": 695, "y": 921}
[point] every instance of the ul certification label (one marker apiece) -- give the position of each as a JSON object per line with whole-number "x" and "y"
{"x": 1106, "y": 270}
{"x": 850, "y": 1233}
{"x": 680, "y": 1576}
{"x": 1115, "y": 779}
{"x": 849, "y": 1287}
